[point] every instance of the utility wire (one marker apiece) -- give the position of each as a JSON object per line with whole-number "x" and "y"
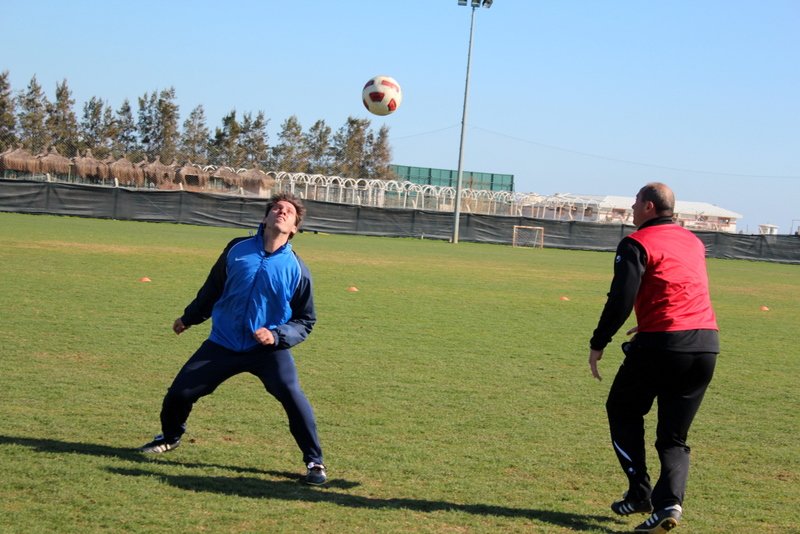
{"x": 607, "y": 158}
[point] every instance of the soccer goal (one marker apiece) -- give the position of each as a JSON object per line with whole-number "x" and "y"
{"x": 528, "y": 236}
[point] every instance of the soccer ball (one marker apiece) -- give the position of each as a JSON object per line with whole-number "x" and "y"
{"x": 382, "y": 95}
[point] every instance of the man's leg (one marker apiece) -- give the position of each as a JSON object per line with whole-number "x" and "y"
{"x": 629, "y": 399}
{"x": 278, "y": 373}
{"x": 208, "y": 367}
{"x": 687, "y": 376}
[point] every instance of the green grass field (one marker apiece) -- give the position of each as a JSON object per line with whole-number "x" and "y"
{"x": 452, "y": 391}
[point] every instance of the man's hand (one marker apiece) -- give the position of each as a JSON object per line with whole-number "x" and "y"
{"x": 178, "y": 326}
{"x": 594, "y": 357}
{"x": 264, "y": 336}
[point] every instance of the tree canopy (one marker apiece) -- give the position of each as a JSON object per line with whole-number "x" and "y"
{"x": 154, "y": 133}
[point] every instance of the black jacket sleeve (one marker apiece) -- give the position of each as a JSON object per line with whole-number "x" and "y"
{"x": 629, "y": 266}
{"x": 199, "y": 309}
{"x": 304, "y": 315}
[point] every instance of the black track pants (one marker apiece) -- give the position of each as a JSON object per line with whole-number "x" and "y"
{"x": 678, "y": 380}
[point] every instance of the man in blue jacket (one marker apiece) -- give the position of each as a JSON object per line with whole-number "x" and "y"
{"x": 259, "y": 298}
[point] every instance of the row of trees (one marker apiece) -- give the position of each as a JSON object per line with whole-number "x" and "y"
{"x": 28, "y": 119}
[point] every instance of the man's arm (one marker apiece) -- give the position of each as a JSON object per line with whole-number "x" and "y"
{"x": 209, "y": 293}
{"x": 304, "y": 315}
{"x": 629, "y": 266}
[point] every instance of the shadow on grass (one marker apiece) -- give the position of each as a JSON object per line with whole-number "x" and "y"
{"x": 131, "y": 455}
{"x": 288, "y": 488}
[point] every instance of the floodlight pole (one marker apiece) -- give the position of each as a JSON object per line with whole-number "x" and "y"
{"x": 459, "y": 180}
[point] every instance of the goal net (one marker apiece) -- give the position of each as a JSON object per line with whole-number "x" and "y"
{"x": 528, "y": 236}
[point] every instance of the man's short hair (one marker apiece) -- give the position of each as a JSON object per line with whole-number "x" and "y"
{"x": 292, "y": 199}
{"x": 661, "y": 196}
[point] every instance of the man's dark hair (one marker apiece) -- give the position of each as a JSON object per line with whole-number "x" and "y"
{"x": 294, "y": 200}
{"x": 661, "y": 196}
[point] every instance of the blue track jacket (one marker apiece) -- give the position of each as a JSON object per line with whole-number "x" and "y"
{"x": 248, "y": 288}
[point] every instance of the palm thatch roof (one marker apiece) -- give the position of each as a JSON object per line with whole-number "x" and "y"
{"x": 191, "y": 175}
{"x": 19, "y": 159}
{"x": 54, "y": 163}
{"x": 256, "y": 181}
{"x": 228, "y": 176}
{"x": 158, "y": 173}
{"x": 87, "y": 166}
{"x": 126, "y": 172}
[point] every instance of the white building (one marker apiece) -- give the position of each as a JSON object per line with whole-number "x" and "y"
{"x": 609, "y": 209}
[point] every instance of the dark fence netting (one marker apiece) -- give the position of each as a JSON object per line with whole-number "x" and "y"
{"x": 227, "y": 210}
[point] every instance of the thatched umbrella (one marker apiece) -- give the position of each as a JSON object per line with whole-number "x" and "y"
{"x": 191, "y": 176}
{"x": 257, "y": 181}
{"x": 126, "y": 172}
{"x": 227, "y": 176}
{"x": 158, "y": 173}
{"x": 87, "y": 166}
{"x": 140, "y": 171}
{"x": 107, "y": 161}
{"x": 20, "y": 160}
{"x": 54, "y": 163}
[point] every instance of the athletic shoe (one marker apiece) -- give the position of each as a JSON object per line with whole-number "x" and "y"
{"x": 159, "y": 445}
{"x": 627, "y": 506}
{"x": 316, "y": 475}
{"x": 661, "y": 521}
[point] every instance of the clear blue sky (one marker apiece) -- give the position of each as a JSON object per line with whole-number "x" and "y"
{"x": 569, "y": 96}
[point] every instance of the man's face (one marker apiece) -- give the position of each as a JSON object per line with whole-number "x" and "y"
{"x": 282, "y": 216}
{"x": 641, "y": 210}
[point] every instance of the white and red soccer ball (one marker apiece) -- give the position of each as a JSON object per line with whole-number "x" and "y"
{"x": 382, "y": 95}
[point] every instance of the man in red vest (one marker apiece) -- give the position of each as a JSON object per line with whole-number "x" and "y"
{"x": 660, "y": 272}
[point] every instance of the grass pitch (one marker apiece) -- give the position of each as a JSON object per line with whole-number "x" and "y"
{"x": 452, "y": 391}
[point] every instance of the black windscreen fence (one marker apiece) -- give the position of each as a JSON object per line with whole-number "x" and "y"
{"x": 185, "y": 207}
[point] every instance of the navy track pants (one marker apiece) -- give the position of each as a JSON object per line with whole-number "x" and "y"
{"x": 212, "y": 364}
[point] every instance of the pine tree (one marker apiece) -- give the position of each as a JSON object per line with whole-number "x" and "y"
{"x": 254, "y": 141}
{"x": 225, "y": 147}
{"x": 62, "y": 123}
{"x": 147, "y": 124}
{"x": 291, "y": 153}
{"x": 318, "y": 141}
{"x": 8, "y": 122}
{"x": 92, "y": 130}
{"x": 350, "y": 148}
{"x": 158, "y": 125}
{"x": 31, "y": 116}
{"x": 125, "y": 140}
{"x": 194, "y": 139}
{"x": 167, "y": 121}
{"x": 380, "y": 156}
{"x": 109, "y": 131}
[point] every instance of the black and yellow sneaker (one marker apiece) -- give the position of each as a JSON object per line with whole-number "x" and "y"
{"x": 662, "y": 521}
{"x": 160, "y": 444}
{"x": 628, "y": 506}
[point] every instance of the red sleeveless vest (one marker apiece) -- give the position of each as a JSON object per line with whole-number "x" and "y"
{"x": 674, "y": 294}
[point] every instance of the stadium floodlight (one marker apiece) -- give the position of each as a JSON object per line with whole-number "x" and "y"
{"x": 459, "y": 180}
